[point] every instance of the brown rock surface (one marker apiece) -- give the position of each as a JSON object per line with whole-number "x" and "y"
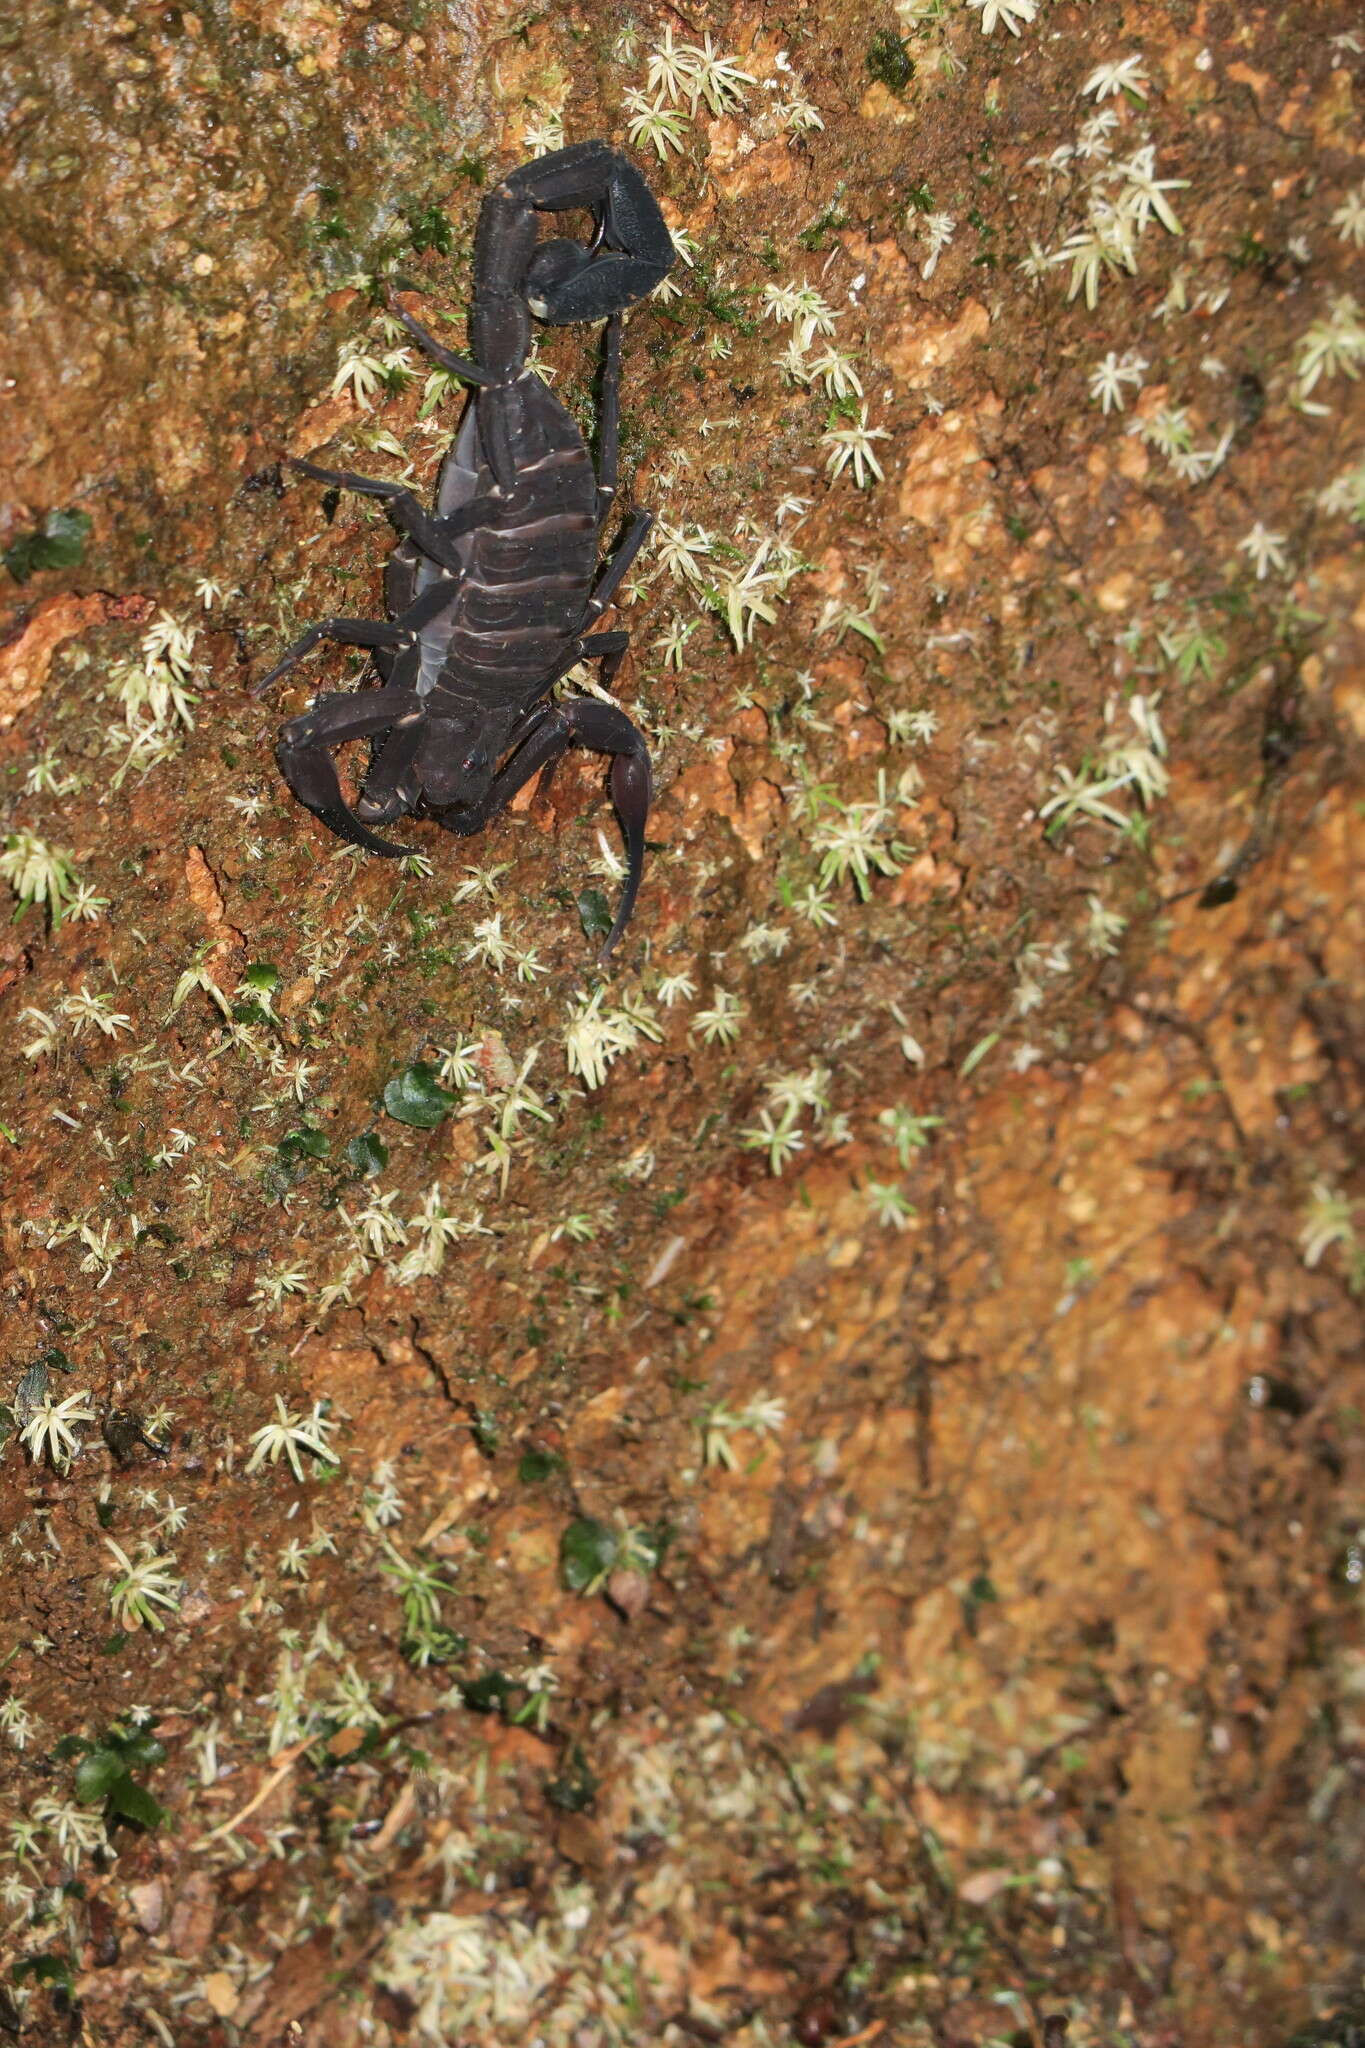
{"x": 848, "y": 1529}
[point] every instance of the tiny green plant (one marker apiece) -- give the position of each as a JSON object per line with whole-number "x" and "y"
{"x": 420, "y": 1588}
{"x": 105, "y": 1773}
{"x": 590, "y": 1551}
{"x": 416, "y": 1097}
{"x": 289, "y": 1435}
{"x": 366, "y": 1154}
{"x": 50, "y": 1431}
{"x": 146, "y": 1584}
{"x": 889, "y": 62}
{"x": 59, "y": 543}
{"x": 40, "y": 874}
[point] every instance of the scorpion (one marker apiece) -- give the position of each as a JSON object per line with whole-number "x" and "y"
{"x": 492, "y": 595}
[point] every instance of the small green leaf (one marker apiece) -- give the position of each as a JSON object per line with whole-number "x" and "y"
{"x": 366, "y": 1154}
{"x": 587, "y": 1552}
{"x": 97, "y": 1774}
{"x": 538, "y": 1465}
{"x": 594, "y": 914}
{"x": 137, "y": 1747}
{"x": 306, "y": 1143}
{"x": 261, "y": 975}
{"x": 487, "y": 1695}
{"x": 135, "y": 1803}
{"x": 574, "y": 1790}
{"x": 416, "y": 1097}
{"x": 47, "y": 1969}
{"x": 60, "y": 544}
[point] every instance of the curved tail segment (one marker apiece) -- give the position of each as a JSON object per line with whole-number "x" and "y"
{"x": 630, "y": 253}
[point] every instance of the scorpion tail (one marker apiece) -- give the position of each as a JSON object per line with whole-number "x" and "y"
{"x": 631, "y": 251}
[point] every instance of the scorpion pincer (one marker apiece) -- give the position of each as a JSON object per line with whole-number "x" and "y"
{"x": 493, "y": 594}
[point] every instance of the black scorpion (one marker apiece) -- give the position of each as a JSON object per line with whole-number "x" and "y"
{"x": 491, "y": 596}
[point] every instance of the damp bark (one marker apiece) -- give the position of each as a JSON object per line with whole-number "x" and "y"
{"x": 842, "y": 1522}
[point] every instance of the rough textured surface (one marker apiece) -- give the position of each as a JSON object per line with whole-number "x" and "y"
{"x": 846, "y": 1528}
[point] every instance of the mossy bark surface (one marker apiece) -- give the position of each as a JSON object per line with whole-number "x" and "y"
{"x": 841, "y": 1522}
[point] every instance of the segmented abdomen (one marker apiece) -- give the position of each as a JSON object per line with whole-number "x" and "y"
{"x": 526, "y": 578}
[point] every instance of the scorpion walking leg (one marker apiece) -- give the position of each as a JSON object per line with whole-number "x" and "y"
{"x": 612, "y": 576}
{"x": 435, "y": 537}
{"x": 609, "y": 649}
{"x": 459, "y": 366}
{"x": 391, "y": 788}
{"x": 608, "y": 457}
{"x": 609, "y": 731}
{"x": 609, "y": 426}
{"x": 310, "y": 771}
{"x": 584, "y": 722}
{"x": 350, "y": 632}
{"x": 400, "y": 636}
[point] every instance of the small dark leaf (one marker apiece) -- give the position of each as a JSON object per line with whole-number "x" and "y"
{"x": 44, "y": 1970}
{"x": 416, "y": 1097}
{"x": 574, "y": 1790}
{"x": 587, "y": 1552}
{"x": 31, "y": 1391}
{"x": 366, "y": 1155}
{"x": 59, "y": 545}
{"x": 1222, "y": 889}
{"x": 594, "y": 914}
{"x": 537, "y": 1465}
{"x": 135, "y": 1803}
{"x": 306, "y": 1143}
{"x": 97, "y": 1774}
{"x": 139, "y": 1749}
{"x": 487, "y": 1695}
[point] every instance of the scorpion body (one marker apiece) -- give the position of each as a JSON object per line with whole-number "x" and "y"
{"x": 492, "y": 595}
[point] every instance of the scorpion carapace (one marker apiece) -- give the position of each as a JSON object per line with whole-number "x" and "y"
{"x": 492, "y": 595}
